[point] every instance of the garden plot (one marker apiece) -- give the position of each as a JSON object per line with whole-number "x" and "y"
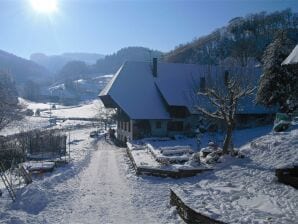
{"x": 171, "y": 154}
{"x": 166, "y": 161}
{"x": 143, "y": 158}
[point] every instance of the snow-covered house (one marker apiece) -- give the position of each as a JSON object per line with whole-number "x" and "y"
{"x": 292, "y": 59}
{"x": 291, "y": 63}
{"x": 158, "y": 99}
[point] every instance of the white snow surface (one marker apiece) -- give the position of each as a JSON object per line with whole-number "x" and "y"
{"x": 246, "y": 190}
{"x": 99, "y": 186}
{"x": 292, "y": 58}
{"x": 134, "y": 90}
{"x": 86, "y": 110}
{"x": 26, "y": 124}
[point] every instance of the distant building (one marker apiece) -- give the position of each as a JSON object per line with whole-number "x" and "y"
{"x": 291, "y": 63}
{"x": 159, "y": 99}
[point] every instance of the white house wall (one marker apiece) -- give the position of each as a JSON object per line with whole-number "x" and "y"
{"x": 124, "y": 130}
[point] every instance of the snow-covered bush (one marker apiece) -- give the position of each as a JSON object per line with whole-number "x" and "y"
{"x": 211, "y": 153}
{"x": 194, "y": 159}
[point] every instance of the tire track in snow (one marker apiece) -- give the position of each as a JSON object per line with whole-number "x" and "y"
{"x": 104, "y": 194}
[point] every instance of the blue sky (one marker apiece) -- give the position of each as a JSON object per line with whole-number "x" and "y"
{"x": 98, "y": 26}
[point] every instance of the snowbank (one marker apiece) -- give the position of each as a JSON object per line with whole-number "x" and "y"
{"x": 246, "y": 190}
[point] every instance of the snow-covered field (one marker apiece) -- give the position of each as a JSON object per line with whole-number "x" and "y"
{"x": 246, "y": 190}
{"x": 99, "y": 185}
{"x": 87, "y": 110}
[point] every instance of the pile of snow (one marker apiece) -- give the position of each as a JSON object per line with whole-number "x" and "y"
{"x": 246, "y": 190}
{"x": 34, "y": 200}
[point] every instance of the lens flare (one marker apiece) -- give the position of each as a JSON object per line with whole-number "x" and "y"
{"x": 44, "y": 6}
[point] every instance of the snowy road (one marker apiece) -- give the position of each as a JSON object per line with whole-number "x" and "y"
{"x": 105, "y": 195}
{"x": 99, "y": 186}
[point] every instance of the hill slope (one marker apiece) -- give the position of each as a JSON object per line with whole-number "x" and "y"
{"x": 21, "y": 69}
{"x": 111, "y": 63}
{"x": 54, "y": 63}
{"x": 244, "y": 38}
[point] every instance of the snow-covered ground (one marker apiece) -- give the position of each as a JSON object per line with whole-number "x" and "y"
{"x": 97, "y": 187}
{"x": 26, "y": 124}
{"x": 87, "y": 110}
{"x": 169, "y": 154}
{"x": 246, "y": 190}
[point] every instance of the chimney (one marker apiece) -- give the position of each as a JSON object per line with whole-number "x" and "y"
{"x": 154, "y": 68}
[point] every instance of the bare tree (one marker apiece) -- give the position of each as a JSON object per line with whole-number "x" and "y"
{"x": 104, "y": 115}
{"x": 223, "y": 97}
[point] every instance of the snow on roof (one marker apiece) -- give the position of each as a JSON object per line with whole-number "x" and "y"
{"x": 142, "y": 96}
{"x": 133, "y": 89}
{"x": 176, "y": 82}
{"x": 292, "y": 58}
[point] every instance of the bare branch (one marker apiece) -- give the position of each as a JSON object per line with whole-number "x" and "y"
{"x": 207, "y": 113}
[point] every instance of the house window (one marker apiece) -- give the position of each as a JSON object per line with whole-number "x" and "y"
{"x": 128, "y": 126}
{"x": 175, "y": 126}
{"x": 158, "y": 124}
{"x": 202, "y": 84}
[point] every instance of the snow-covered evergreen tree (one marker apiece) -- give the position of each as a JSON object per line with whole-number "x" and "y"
{"x": 277, "y": 84}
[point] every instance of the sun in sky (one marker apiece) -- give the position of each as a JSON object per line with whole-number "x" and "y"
{"x": 44, "y": 6}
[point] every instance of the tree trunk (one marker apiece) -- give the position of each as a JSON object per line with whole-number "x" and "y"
{"x": 227, "y": 140}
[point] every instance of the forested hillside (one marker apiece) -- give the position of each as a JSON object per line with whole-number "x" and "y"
{"x": 21, "y": 69}
{"x": 111, "y": 63}
{"x": 243, "y": 39}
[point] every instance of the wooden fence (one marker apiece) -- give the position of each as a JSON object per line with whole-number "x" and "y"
{"x": 189, "y": 215}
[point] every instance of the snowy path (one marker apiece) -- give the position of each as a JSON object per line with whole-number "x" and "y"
{"x": 105, "y": 195}
{"x": 98, "y": 187}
